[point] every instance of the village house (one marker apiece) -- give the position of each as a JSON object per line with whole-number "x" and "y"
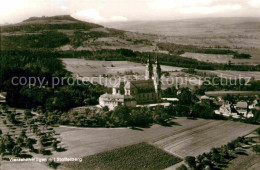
{"x": 242, "y": 107}
{"x": 239, "y": 109}
{"x": 133, "y": 92}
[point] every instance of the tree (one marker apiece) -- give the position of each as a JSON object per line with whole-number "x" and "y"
{"x": 16, "y": 150}
{"x": 23, "y": 134}
{"x": 215, "y": 155}
{"x": 200, "y": 158}
{"x": 8, "y": 142}
{"x": 191, "y": 161}
{"x": 27, "y": 114}
{"x": 225, "y": 152}
{"x": 19, "y": 141}
{"x": 182, "y": 167}
{"x": 256, "y": 148}
{"x": 11, "y": 117}
{"x": 29, "y": 143}
{"x": 2, "y": 147}
{"x": 121, "y": 115}
{"x": 55, "y": 145}
{"x": 170, "y": 92}
{"x": 5, "y": 108}
{"x": 185, "y": 97}
{"x": 42, "y": 150}
{"x": 105, "y": 109}
{"x": 230, "y": 99}
{"x": 258, "y": 131}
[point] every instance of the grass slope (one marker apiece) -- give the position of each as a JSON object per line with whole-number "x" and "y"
{"x": 138, "y": 156}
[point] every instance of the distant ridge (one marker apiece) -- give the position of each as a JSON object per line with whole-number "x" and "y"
{"x": 34, "y": 24}
{"x": 44, "y": 18}
{"x": 59, "y": 19}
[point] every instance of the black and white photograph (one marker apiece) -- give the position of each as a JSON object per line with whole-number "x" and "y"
{"x": 130, "y": 84}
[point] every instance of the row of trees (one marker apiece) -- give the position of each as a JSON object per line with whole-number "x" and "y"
{"x": 218, "y": 158}
{"x": 180, "y": 49}
{"x": 127, "y": 116}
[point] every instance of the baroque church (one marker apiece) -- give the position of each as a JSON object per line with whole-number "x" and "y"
{"x": 133, "y": 92}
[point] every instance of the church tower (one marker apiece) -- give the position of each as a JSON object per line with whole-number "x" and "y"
{"x": 157, "y": 76}
{"x": 149, "y": 69}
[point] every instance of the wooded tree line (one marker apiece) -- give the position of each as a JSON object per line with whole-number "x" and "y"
{"x": 178, "y": 49}
{"x": 43, "y": 66}
{"x": 141, "y": 57}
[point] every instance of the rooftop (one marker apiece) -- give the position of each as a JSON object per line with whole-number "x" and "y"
{"x": 205, "y": 97}
{"x": 241, "y": 105}
{"x": 140, "y": 84}
{"x": 116, "y": 96}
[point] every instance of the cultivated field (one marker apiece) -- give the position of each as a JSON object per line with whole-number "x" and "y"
{"x": 239, "y": 34}
{"x": 187, "y": 137}
{"x": 138, "y": 156}
{"x": 92, "y": 68}
{"x": 211, "y": 58}
{"x": 233, "y": 74}
{"x": 202, "y": 138}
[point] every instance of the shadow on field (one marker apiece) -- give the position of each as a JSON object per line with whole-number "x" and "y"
{"x": 136, "y": 128}
{"x": 170, "y": 124}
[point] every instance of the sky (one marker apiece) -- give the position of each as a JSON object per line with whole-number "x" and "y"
{"x": 100, "y": 11}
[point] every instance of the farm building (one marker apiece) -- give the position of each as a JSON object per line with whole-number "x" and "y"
{"x": 134, "y": 92}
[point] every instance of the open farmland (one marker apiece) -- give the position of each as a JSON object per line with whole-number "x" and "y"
{"x": 93, "y": 69}
{"x": 210, "y": 58}
{"x": 202, "y": 138}
{"x": 233, "y": 74}
{"x": 96, "y": 71}
{"x": 187, "y": 137}
{"x": 89, "y": 68}
{"x": 239, "y": 34}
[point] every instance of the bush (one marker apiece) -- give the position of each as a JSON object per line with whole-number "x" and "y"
{"x": 258, "y": 131}
{"x": 53, "y": 164}
{"x": 191, "y": 161}
{"x": 256, "y": 148}
{"x": 182, "y": 167}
